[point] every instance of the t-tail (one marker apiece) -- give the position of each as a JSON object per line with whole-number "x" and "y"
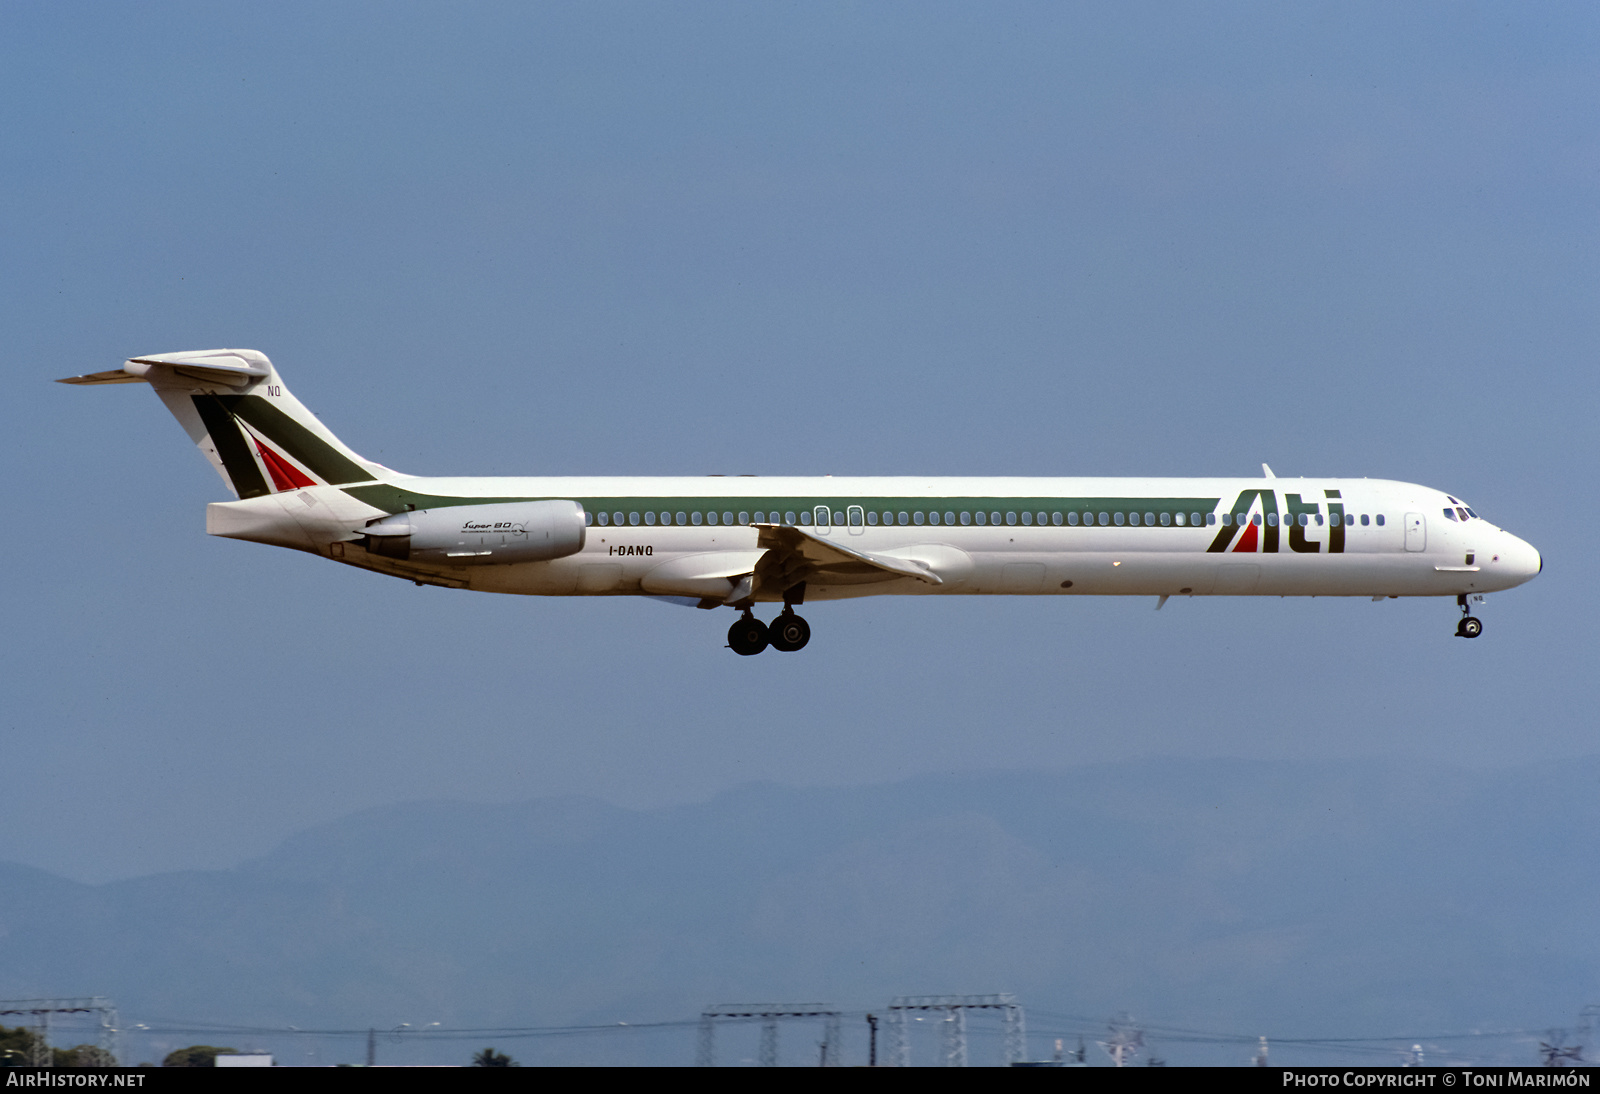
{"x": 237, "y": 411}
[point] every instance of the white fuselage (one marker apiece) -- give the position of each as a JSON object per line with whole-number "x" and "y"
{"x": 1068, "y": 536}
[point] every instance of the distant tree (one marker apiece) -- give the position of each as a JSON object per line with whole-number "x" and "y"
{"x": 194, "y": 1056}
{"x": 16, "y": 1046}
{"x": 82, "y": 1056}
{"x": 490, "y": 1058}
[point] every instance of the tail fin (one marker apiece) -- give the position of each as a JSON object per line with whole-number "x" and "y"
{"x": 235, "y": 408}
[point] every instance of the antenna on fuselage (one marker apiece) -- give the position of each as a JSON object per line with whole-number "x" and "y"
{"x": 1267, "y": 471}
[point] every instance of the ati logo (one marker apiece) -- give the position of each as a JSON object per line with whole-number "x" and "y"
{"x": 1250, "y": 527}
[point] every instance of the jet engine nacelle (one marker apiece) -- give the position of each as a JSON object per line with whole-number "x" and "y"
{"x": 477, "y": 535}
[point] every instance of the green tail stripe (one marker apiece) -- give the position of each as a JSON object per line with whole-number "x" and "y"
{"x": 231, "y": 447}
{"x": 295, "y": 440}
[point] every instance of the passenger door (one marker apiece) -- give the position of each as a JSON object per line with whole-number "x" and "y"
{"x": 1416, "y": 532}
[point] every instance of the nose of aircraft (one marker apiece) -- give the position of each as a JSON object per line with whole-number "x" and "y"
{"x": 1519, "y": 560}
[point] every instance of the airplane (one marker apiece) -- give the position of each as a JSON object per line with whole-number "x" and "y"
{"x": 740, "y": 541}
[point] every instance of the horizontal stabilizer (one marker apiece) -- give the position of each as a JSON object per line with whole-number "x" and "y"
{"x": 115, "y": 376}
{"x": 215, "y": 366}
{"x": 212, "y": 365}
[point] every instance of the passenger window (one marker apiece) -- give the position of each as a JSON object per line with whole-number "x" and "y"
{"x": 966, "y": 516}
{"x": 1166, "y": 519}
{"x": 838, "y": 518}
{"x": 1378, "y": 518}
{"x": 683, "y": 518}
{"x": 872, "y": 517}
{"x": 905, "y": 518}
{"x": 1211, "y": 518}
{"x": 1256, "y": 520}
{"x": 949, "y": 518}
{"x": 605, "y": 518}
{"x": 697, "y": 518}
{"x": 1365, "y": 520}
{"x": 917, "y": 516}
{"x": 1133, "y": 519}
{"x": 650, "y": 518}
{"x": 1105, "y": 518}
{"x": 1027, "y": 518}
{"x": 633, "y": 518}
{"x": 588, "y": 517}
{"x": 1150, "y": 520}
{"x": 1318, "y": 518}
{"x": 1055, "y": 518}
{"x": 933, "y": 518}
{"x": 1272, "y": 519}
{"x": 1119, "y": 518}
{"x": 1011, "y": 518}
{"x": 805, "y": 517}
{"x": 744, "y": 517}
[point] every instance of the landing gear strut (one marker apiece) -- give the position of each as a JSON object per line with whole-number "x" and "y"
{"x": 1470, "y": 626}
{"x": 749, "y": 636}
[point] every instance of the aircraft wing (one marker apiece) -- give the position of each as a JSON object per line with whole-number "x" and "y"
{"x": 794, "y": 555}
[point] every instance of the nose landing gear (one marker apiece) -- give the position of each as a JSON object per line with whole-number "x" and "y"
{"x": 1470, "y": 626}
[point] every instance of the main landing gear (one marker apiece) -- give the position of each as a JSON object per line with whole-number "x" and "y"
{"x": 1470, "y": 626}
{"x": 749, "y": 636}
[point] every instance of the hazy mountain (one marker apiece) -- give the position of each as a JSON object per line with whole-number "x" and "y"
{"x": 1293, "y": 900}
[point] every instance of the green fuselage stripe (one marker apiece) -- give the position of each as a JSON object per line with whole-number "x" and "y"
{"x": 394, "y": 499}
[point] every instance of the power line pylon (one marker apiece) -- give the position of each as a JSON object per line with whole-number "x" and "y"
{"x": 769, "y": 1015}
{"x": 953, "y": 1029}
{"x": 42, "y": 1009}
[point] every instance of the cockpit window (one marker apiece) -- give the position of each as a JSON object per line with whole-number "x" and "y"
{"x": 1449, "y": 513}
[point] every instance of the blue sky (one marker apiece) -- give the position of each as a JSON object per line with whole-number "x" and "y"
{"x": 1140, "y": 239}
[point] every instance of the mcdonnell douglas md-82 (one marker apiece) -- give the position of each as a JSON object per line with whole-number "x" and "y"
{"x": 743, "y": 541}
